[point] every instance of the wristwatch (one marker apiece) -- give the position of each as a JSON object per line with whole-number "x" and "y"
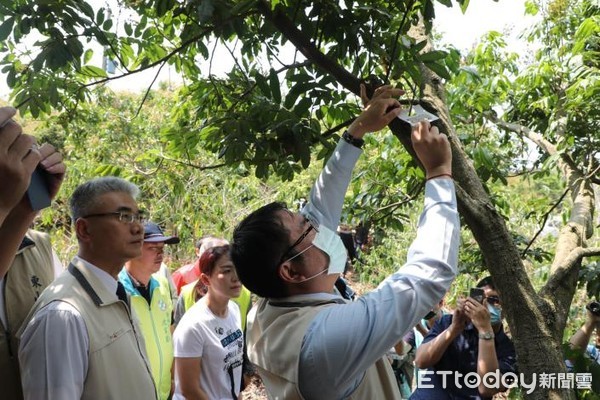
{"x": 486, "y": 335}
{"x": 356, "y": 142}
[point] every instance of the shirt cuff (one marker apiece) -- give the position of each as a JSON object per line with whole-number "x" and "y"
{"x": 440, "y": 190}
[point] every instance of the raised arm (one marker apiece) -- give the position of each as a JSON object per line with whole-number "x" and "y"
{"x": 386, "y": 314}
{"x": 21, "y": 216}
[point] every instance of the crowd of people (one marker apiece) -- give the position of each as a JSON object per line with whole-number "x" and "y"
{"x": 114, "y": 324}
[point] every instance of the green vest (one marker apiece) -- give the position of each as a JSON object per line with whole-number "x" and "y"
{"x": 244, "y": 300}
{"x": 30, "y": 273}
{"x": 155, "y": 325}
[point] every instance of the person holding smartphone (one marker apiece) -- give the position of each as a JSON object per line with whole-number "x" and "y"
{"x": 581, "y": 338}
{"x": 27, "y": 262}
{"x": 472, "y": 340}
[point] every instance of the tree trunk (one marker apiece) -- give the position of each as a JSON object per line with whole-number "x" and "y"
{"x": 534, "y": 324}
{"x": 536, "y": 321}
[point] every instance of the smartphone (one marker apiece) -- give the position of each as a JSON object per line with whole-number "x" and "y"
{"x": 38, "y": 193}
{"x": 477, "y": 294}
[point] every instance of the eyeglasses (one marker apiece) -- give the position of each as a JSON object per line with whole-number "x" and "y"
{"x": 312, "y": 226}
{"x": 493, "y": 300}
{"x": 126, "y": 217}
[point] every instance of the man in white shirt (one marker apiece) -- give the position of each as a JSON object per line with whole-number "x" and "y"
{"x": 80, "y": 341}
{"x": 307, "y": 342}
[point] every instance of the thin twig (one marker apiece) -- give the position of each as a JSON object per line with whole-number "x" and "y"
{"x": 546, "y": 215}
{"x": 148, "y": 90}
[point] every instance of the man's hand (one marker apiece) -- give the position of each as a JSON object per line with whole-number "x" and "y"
{"x": 459, "y": 319}
{"x": 18, "y": 158}
{"x": 52, "y": 162}
{"x": 382, "y": 92}
{"x": 433, "y": 149}
{"x": 592, "y": 320}
{"x": 379, "y": 111}
{"x": 478, "y": 314}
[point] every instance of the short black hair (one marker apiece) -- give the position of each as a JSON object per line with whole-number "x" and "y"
{"x": 487, "y": 281}
{"x": 259, "y": 242}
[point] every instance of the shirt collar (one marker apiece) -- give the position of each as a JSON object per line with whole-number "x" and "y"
{"x": 109, "y": 282}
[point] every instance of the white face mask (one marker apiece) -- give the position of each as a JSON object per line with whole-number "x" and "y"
{"x": 331, "y": 244}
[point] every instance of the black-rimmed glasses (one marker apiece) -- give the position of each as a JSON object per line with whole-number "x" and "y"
{"x": 493, "y": 300}
{"x": 312, "y": 226}
{"x": 126, "y": 217}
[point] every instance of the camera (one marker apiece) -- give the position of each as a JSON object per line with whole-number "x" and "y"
{"x": 594, "y": 308}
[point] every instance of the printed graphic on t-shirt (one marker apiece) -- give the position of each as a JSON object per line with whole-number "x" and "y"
{"x": 234, "y": 344}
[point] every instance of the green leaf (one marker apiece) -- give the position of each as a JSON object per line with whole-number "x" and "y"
{"x": 438, "y": 69}
{"x": 100, "y": 16}
{"x": 87, "y": 9}
{"x": 87, "y": 56}
{"x": 531, "y": 7}
{"x": 417, "y": 47}
{"x": 6, "y": 28}
{"x": 275, "y": 86}
{"x": 463, "y": 5}
{"x": 107, "y": 25}
{"x": 432, "y": 56}
{"x": 93, "y": 71}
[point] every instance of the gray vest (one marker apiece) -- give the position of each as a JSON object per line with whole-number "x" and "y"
{"x": 274, "y": 340}
{"x": 30, "y": 273}
{"x": 117, "y": 363}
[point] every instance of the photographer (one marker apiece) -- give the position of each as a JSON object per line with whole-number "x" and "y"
{"x": 581, "y": 338}
{"x": 472, "y": 340}
{"x": 27, "y": 261}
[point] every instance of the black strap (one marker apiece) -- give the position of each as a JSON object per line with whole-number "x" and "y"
{"x": 230, "y": 372}
{"x": 85, "y": 284}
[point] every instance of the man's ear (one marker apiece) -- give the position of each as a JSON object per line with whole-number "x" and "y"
{"x": 288, "y": 272}
{"x": 82, "y": 230}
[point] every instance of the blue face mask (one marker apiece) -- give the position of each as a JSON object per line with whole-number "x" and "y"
{"x": 495, "y": 314}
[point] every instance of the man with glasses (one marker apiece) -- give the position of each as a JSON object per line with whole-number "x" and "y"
{"x": 79, "y": 340}
{"x": 469, "y": 342}
{"x": 151, "y": 302}
{"x": 308, "y": 342}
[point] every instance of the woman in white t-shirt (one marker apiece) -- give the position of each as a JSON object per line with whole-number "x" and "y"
{"x": 208, "y": 341}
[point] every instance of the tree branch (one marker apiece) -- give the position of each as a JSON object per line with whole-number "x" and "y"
{"x": 189, "y": 164}
{"x": 148, "y": 90}
{"x": 546, "y": 215}
{"x": 570, "y": 262}
{"x": 535, "y": 137}
{"x": 307, "y": 48}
